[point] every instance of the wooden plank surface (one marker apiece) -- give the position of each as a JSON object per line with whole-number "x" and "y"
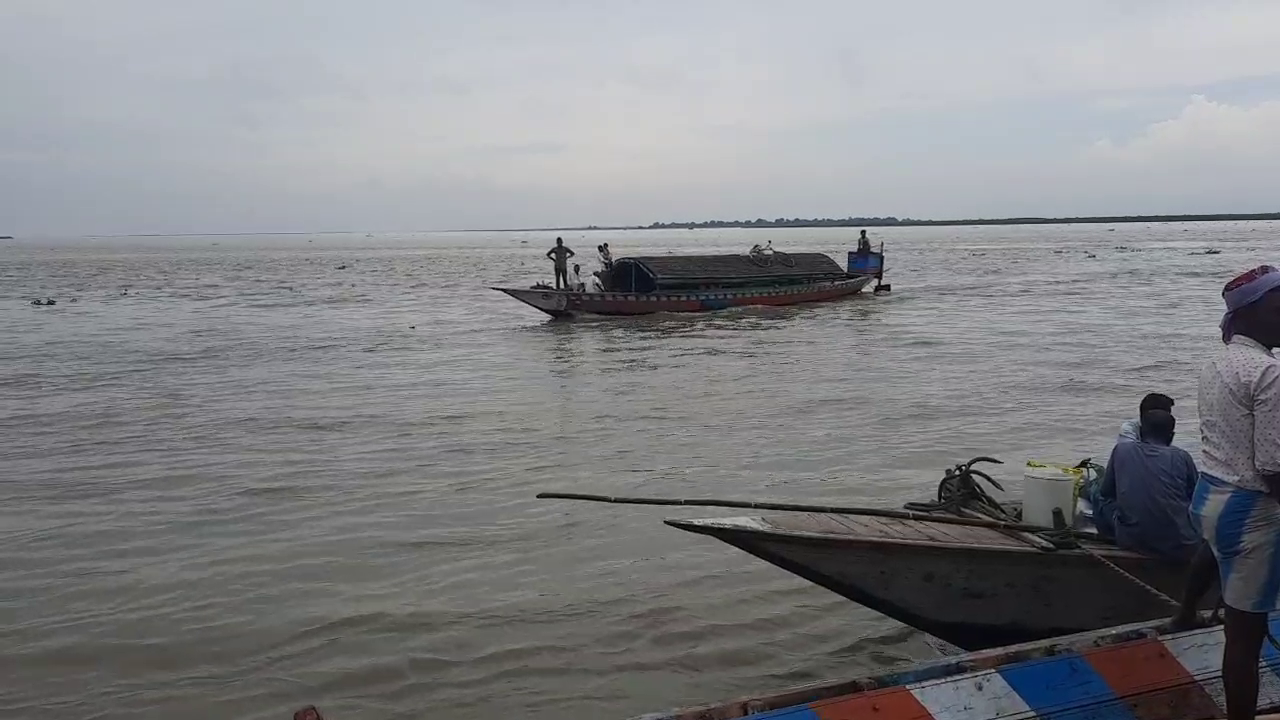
{"x": 948, "y": 533}
{"x": 869, "y": 527}
{"x": 874, "y": 527}
{"x": 892, "y": 528}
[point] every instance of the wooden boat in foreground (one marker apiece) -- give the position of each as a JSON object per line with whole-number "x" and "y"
{"x": 1124, "y": 673}
{"x": 700, "y": 283}
{"x": 964, "y": 568}
{"x": 974, "y": 587}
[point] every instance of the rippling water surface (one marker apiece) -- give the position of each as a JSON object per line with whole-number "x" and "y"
{"x": 238, "y": 478}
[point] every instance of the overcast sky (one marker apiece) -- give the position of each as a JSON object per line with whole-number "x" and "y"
{"x": 270, "y": 115}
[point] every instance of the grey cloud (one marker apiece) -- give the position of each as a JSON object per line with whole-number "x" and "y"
{"x": 151, "y": 115}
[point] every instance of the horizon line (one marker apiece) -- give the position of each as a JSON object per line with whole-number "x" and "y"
{"x": 761, "y": 223}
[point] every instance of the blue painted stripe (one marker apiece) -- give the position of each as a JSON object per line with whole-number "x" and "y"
{"x": 1229, "y": 533}
{"x": 795, "y": 712}
{"x": 1066, "y": 686}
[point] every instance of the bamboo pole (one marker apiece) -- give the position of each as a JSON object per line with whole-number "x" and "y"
{"x": 797, "y": 507}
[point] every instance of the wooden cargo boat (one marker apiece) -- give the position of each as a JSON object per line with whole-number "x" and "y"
{"x": 1124, "y": 673}
{"x": 962, "y": 568}
{"x": 700, "y": 283}
{"x": 974, "y": 587}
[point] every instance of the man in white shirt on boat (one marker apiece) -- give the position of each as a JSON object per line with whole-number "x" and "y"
{"x": 1236, "y": 505}
{"x": 574, "y": 281}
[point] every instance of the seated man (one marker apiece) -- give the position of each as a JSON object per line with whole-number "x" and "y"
{"x": 1152, "y": 401}
{"x": 574, "y": 280}
{"x": 1145, "y": 493}
{"x": 864, "y": 243}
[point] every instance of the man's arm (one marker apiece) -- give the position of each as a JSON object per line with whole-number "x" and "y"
{"x": 551, "y": 254}
{"x": 1266, "y": 428}
{"x": 1191, "y": 475}
{"x": 1272, "y": 481}
{"x": 571, "y": 252}
{"x": 1129, "y": 430}
{"x": 1108, "y": 487}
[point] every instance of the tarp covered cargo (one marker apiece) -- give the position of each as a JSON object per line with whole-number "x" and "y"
{"x": 678, "y": 272}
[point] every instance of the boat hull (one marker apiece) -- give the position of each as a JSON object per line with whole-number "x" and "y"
{"x": 563, "y": 303}
{"x": 975, "y": 588}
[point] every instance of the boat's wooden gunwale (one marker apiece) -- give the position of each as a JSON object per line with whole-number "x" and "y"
{"x": 855, "y": 530}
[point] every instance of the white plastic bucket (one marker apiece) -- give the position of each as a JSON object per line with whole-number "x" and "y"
{"x": 1045, "y": 488}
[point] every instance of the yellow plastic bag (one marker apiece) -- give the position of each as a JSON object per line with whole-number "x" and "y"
{"x": 1075, "y": 471}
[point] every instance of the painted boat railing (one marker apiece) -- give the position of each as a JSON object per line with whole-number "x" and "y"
{"x": 1126, "y": 673}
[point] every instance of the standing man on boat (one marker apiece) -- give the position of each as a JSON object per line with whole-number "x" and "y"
{"x": 1237, "y": 500}
{"x": 560, "y": 255}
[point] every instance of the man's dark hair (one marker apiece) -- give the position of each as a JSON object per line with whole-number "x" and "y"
{"x": 1157, "y": 426}
{"x": 1155, "y": 401}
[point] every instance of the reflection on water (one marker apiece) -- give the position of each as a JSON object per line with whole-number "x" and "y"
{"x": 258, "y": 481}
{"x": 565, "y": 353}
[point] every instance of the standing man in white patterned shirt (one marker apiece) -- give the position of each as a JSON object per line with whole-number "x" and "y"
{"x": 1237, "y": 499}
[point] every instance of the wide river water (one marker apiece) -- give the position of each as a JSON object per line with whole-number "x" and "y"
{"x": 243, "y": 474}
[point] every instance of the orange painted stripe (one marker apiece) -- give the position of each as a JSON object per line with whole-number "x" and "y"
{"x": 889, "y": 704}
{"x": 1146, "y": 676}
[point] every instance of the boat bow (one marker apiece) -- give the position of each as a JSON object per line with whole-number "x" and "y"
{"x": 974, "y": 587}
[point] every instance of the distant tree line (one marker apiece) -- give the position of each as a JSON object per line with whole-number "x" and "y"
{"x": 788, "y": 222}
{"x": 890, "y": 221}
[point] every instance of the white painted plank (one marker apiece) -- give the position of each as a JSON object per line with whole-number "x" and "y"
{"x": 1201, "y": 654}
{"x": 981, "y": 696}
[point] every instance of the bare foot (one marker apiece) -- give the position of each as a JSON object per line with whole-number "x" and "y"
{"x": 1186, "y": 621}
